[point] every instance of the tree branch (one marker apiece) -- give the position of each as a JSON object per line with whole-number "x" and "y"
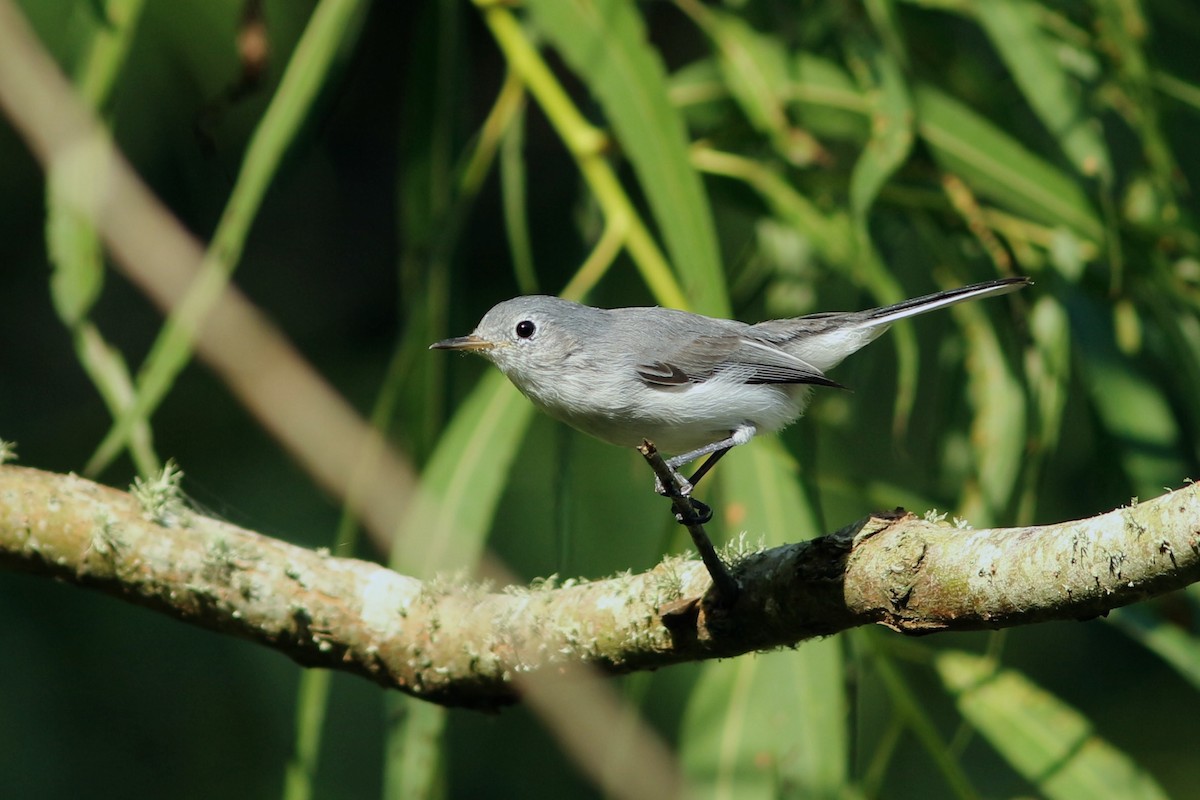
{"x": 459, "y": 644}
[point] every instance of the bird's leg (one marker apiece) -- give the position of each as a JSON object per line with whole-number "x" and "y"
{"x": 693, "y": 514}
{"x": 714, "y": 452}
{"x": 708, "y": 464}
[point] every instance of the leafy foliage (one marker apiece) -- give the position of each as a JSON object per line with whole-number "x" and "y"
{"x": 755, "y": 159}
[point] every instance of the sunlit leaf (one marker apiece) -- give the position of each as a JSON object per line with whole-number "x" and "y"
{"x": 997, "y": 166}
{"x": 1136, "y": 419}
{"x": 826, "y": 98}
{"x": 1051, "y": 744}
{"x": 605, "y": 43}
{"x": 998, "y": 426}
{"x": 1012, "y": 26}
{"x": 1173, "y": 644}
{"x": 755, "y": 67}
{"x": 76, "y": 257}
{"x": 773, "y": 724}
{"x": 891, "y": 118}
{"x": 462, "y": 482}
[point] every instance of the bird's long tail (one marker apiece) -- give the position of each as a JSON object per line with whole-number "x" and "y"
{"x": 931, "y": 302}
{"x": 823, "y": 340}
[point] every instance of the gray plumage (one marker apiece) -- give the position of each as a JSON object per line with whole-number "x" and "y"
{"x": 690, "y": 384}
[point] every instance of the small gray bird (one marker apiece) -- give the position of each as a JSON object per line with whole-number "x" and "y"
{"x": 692, "y": 385}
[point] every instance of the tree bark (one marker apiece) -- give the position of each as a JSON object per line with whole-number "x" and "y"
{"x": 457, "y": 643}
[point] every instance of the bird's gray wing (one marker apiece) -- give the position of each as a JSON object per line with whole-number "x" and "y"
{"x": 732, "y": 357}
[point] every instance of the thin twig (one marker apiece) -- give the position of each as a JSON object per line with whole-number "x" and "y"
{"x": 725, "y": 587}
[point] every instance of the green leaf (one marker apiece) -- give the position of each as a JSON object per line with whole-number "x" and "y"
{"x": 908, "y": 707}
{"x": 516, "y": 209}
{"x": 75, "y": 255}
{"x": 999, "y": 167}
{"x": 832, "y": 235}
{"x": 763, "y": 494}
{"x": 998, "y": 425}
{"x": 1014, "y": 29}
{"x": 415, "y": 752}
{"x": 1171, "y": 643}
{"x": 604, "y": 42}
{"x": 1049, "y": 366}
{"x": 445, "y": 530}
{"x": 1132, "y": 409}
{"x": 1047, "y": 741}
{"x": 891, "y": 115}
{"x": 891, "y": 121}
{"x": 765, "y": 726}
{"x": 772, "y": 724}
{"x": 826, "y": 99}
{"x": 755, "y": 68}
{"x": 463, "y": 480}
{"x": 72, "y": 241}
{"x": 333, "y": 22}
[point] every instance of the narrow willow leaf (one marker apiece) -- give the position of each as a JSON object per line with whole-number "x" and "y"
{"x": 1124, "y": 39}
{"x": 755, "y": 68}
{"x": 74, "y": 246}
{"x": 763, "y": 494}
{"x": 997, "y": 166}
{"x": 1014, "y": 29}
{"x": 604, "y": 41}
{"x": 702, "y": 96}
{"x": 414, "y": 751}
{"x": 826, "y": 99}
{"x": 874, "y": 275}
{"x": 1168, "y": 641}
{"x": 774, "y": 724}
{"x": 446, "y": 530}
{"x": 767, "y": 726}
{"x": 463, "y": 480}
{"x": 75, "y": 255}
{"x": 516, "y": 210}
{"x": 916, "y": 716}
{"x": 891, "y": 116}
{"x": 1137, "y": 416}
{"x": 891, "y": 119}
{"x": 1047, "y": 375}
{"x": 998, "y": 425}
{"x": 1181, "y": 326}
{"x": 1047, "y": 741}
{"x": 1133, "y": 411}
{"x": 832, "y": 235}
{"x": 334, "y": 23}
{"x": 433, "y": 198}
{"x": 1049, "y": 369}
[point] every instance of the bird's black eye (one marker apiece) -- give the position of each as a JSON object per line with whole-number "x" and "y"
{"x": 525, "y": 329}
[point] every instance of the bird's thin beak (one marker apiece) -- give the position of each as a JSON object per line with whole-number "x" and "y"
{"x": 470, "y": 342}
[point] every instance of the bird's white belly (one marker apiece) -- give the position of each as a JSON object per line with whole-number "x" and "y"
{"x": 682, "y": 418}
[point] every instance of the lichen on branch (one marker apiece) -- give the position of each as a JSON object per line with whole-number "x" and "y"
{"x": 460, "y": 643}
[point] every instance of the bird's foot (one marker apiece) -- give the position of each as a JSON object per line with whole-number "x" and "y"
{"x": 701, "y": 513}
{"x": 683, "y": 487}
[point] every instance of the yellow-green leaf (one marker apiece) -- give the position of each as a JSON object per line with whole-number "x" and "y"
{"x": 891, "y": 116}
{"x": 1047, "y": 741}
{"x": 773, "y": 724}
{"x": 605, "y": 43}
{"x": 999, "y": 167}
{"x": 1014, "y": 29}
{"x": 461, "y": 485}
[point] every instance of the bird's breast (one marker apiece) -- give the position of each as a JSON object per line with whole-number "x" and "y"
{"x": 675, "y": 418}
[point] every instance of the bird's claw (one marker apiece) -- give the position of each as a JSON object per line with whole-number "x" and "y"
{"x": 701, "y": 513}
{"x": 683, "y": 486}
